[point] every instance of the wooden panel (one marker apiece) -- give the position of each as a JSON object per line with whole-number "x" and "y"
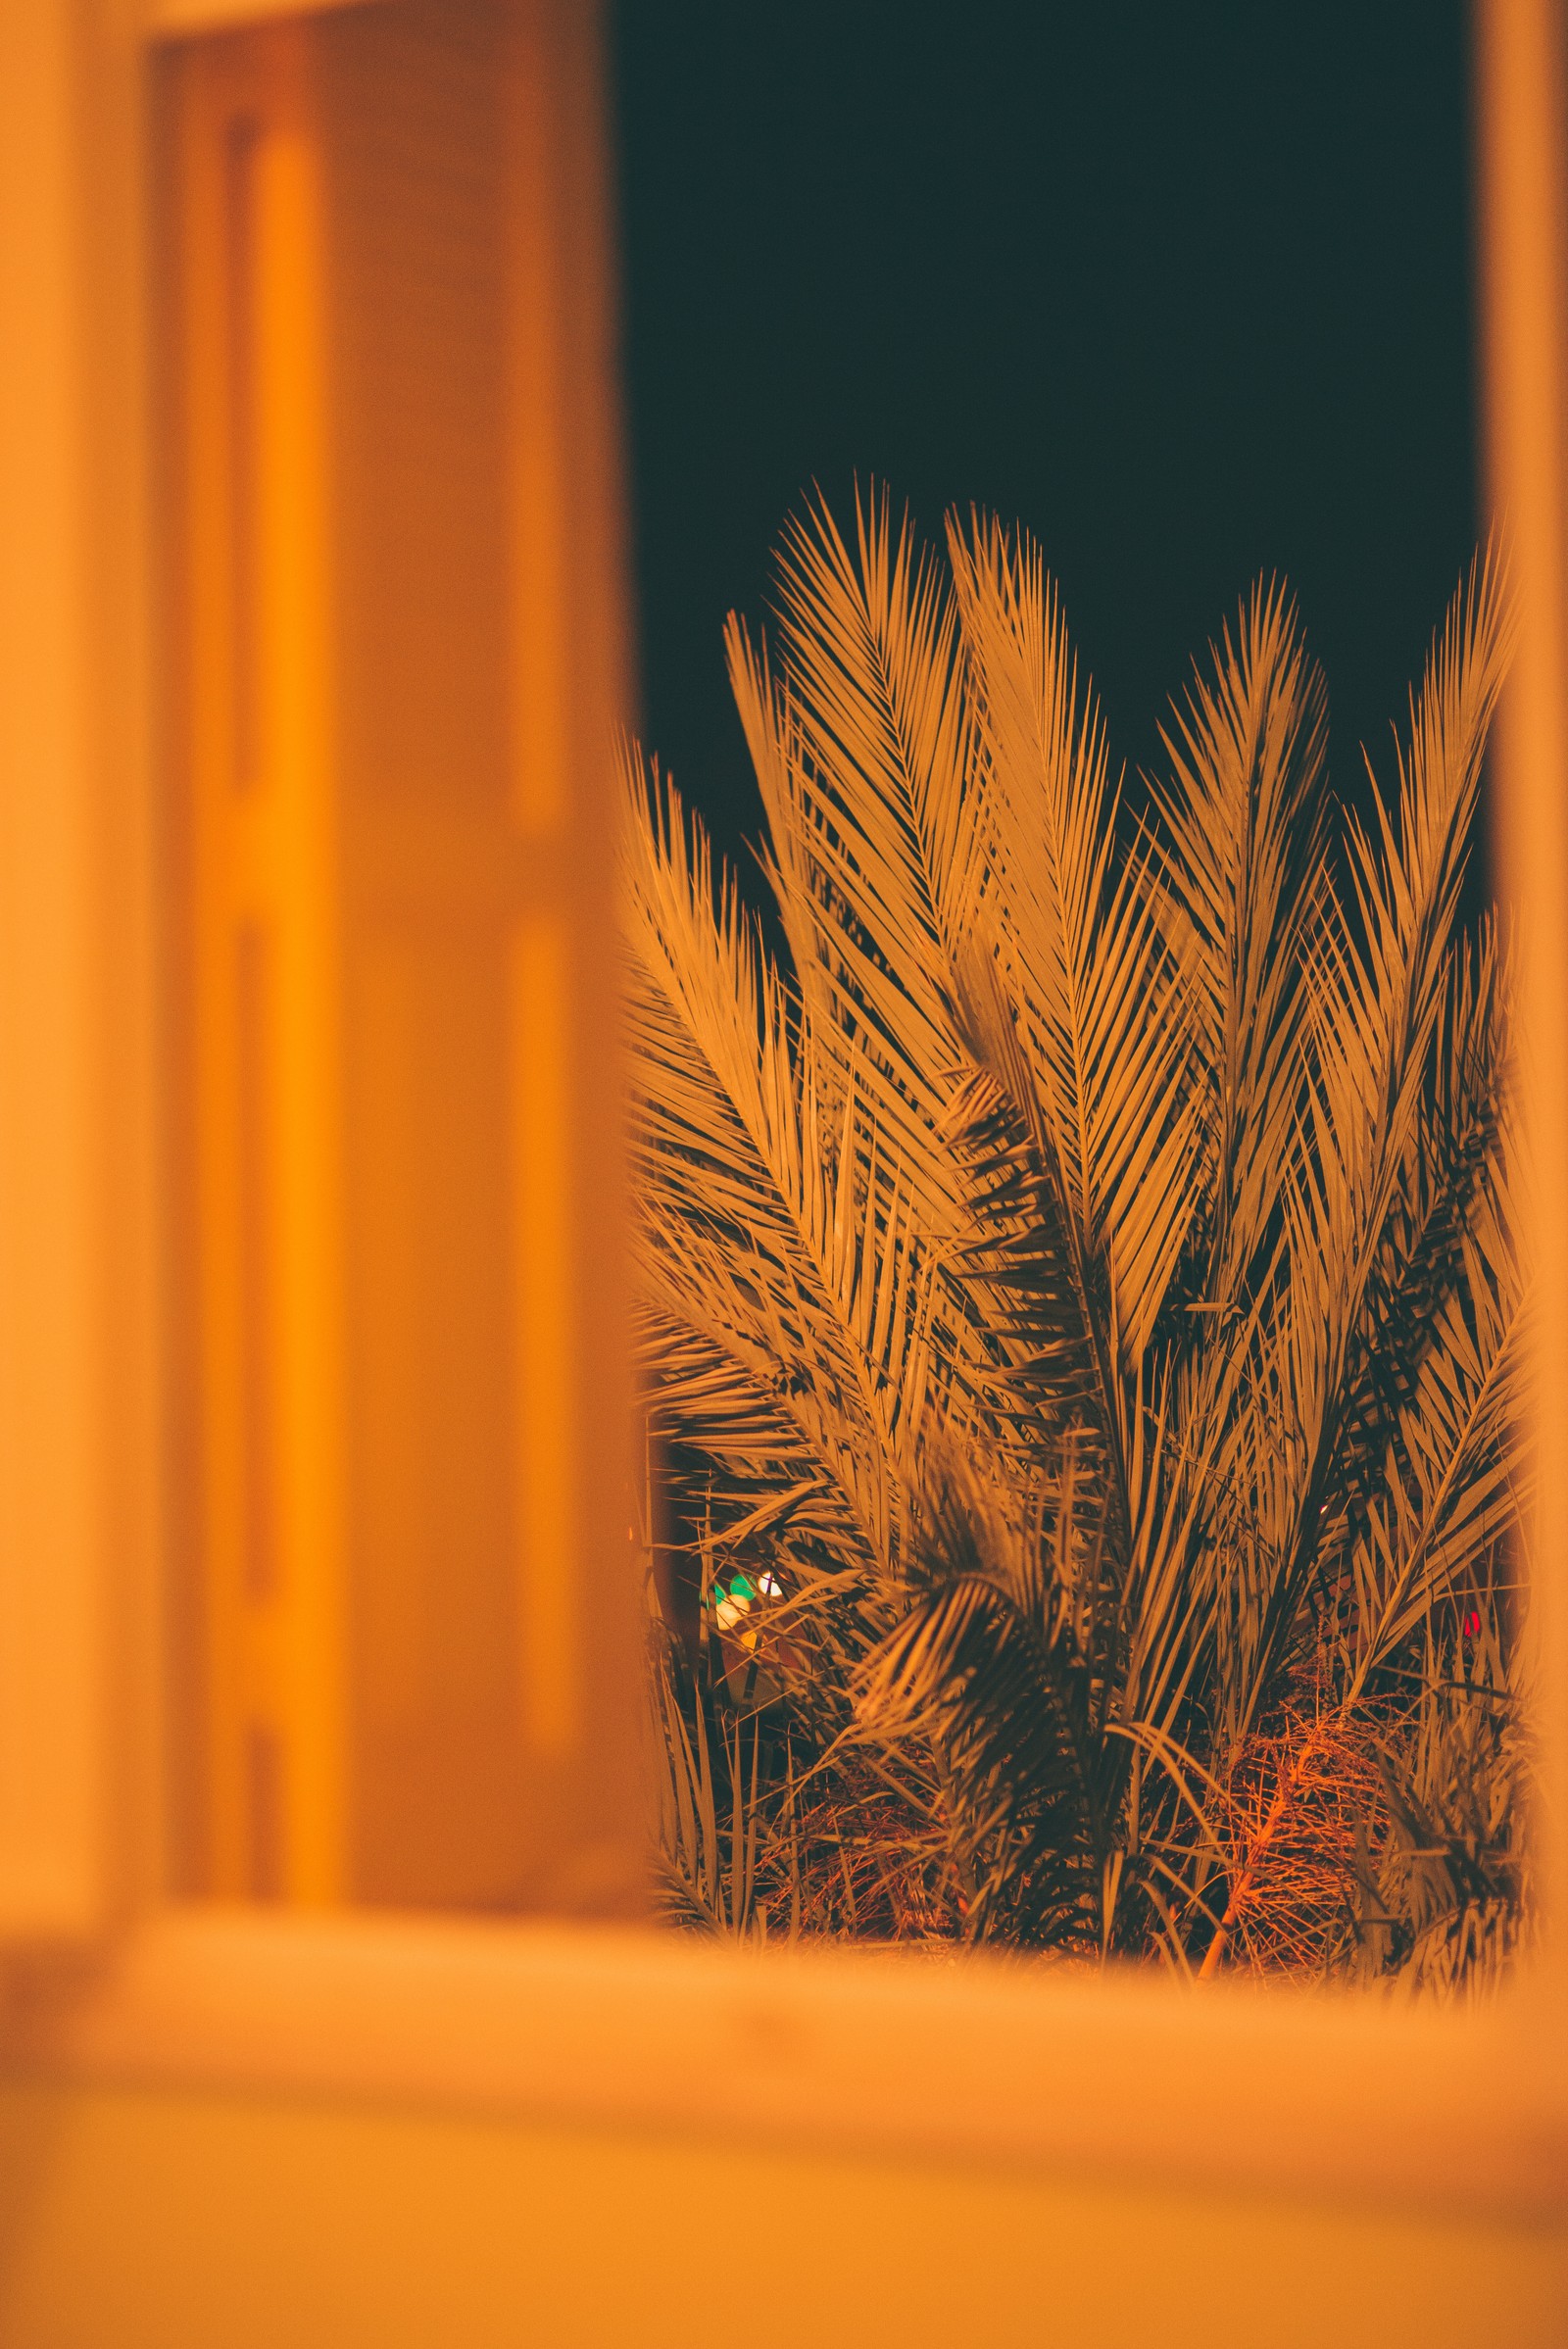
{"x": 1522, "y": 157}
{"x": 553, "y": 1630}
{"x": 441, "y": 1810}
{"x": 412, "y": 104}
{"x": 403, "y": 689}
{"x": 259, "y": 764}
{"x": 53, "y": 1874}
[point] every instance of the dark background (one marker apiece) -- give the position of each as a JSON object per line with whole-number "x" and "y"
{"x": 1185, "y": 289}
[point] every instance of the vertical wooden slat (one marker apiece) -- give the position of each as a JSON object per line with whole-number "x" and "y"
{"x": 299, "y": 882}
{"x": 555, "y": 1608}
{"x": 570, "y": 669}
{"x": 445, "y": 1807}
{"x": 53, "y": 1684}
{"x": 260, "y": 762}
{"x": 538, "y": 441}
{"x": 1522, "y": 142}
{"x": 78, "y": 1367}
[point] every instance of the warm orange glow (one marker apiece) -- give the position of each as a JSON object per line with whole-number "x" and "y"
{"x": 388, "y": 949}
{"x": 1522, "y": 123}
{"x": 398, "y": 877}
{"x": 538, "y": 358}
{"x": 267, "y": 1074}
{"x": 547, "y": 1464}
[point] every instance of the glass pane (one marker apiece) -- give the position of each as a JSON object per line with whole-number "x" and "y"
{"x": 1079, "y": 1196}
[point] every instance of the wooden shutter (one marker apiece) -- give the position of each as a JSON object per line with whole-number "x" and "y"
{"x": 398, "y": 618}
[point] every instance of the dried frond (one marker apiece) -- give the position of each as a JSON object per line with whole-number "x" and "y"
{"x": 1082, "y": 1280}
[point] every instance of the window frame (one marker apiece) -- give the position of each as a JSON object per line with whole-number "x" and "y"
{"x": 104, "y": 1979}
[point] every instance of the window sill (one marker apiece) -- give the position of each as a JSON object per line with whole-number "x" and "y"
{"x": 987, "y": 2061}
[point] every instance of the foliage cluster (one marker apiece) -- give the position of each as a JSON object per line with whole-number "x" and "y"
{"x": 1081, "y": 1298}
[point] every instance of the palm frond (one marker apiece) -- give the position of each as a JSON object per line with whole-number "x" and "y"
{"x": 1239, "y": 877}
{"x": 1082, "y": 1276}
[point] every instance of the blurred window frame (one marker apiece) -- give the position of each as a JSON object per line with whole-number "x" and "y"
{"x": 107, "y": 1981}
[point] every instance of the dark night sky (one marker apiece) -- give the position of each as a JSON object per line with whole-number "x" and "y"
{"x": 1186, "y": 290}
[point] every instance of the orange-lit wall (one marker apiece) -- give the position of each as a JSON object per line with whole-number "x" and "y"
{"x": 158, "y": 2222}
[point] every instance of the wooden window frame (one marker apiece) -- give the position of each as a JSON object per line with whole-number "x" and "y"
{"x": 104, "y": 1980}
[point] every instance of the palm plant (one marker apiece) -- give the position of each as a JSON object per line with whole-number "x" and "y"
{"x": 1079, "y": 1266}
